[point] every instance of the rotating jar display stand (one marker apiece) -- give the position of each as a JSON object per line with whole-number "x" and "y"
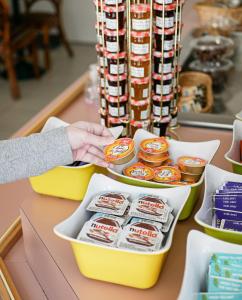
{"x": 138, "y": 29}
{"x": 47, "y": 269}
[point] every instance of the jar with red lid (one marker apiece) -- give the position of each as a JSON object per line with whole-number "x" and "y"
{"x": 103, "y": 117}
{"x": 140, "y": 42}
{"x": 168, "y": 39}
{"x": 114, "y": 41}
{"x": 116, "y": 63}
{"x": 159, "y": 126}
{"x": 115, "y": 122}
{"x": 168, "y": 18}
{"x": 117, "y": 106}
{"x": 168, "y": 58}
{"x": 161, "y": 107}
{"x": 115, "y": 17}
{"x": 117, "y": 85}
{"x": 103, "y": 82}
{"x": 114, "y": 2}
{"x": 140, "y": 110}
{"x": 139, "y": 88}
{"x": 100, "y": 56}
{"x": 165, "y": 81}
{"x": 140, "y": 17}
{"x": 140, "y": 66}
{"x": 135, "y": 125}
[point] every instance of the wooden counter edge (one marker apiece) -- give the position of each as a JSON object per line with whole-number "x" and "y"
{"x": 14, "y": 232}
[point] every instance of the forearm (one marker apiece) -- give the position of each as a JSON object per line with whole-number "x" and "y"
{"x": 30, "y": 156}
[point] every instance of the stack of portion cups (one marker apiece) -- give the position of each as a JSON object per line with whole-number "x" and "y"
{"x": 116, "y": 58}
{"x": 140, "y": 66}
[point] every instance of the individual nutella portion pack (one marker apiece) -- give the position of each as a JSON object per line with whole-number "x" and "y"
{"x": 149, "y": 224}
{"x": 140, "y": 238}
{"x": 167, "y": 225}
{"x": 150, "y": 207}
{"x": 114, "y": 203}
{"x": 102, "y": 218}
{"x": 100, "y": 233}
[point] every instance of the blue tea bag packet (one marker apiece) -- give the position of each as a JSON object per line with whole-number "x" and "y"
{"x": 219, "y": 269}
{"x": 231, "y": 225}
{"x": 228, "y": 259}
{"x": 220, "y": 214}
{"x": 233, "y": 184}
{"x": 218, "y": 296}
{"x": 228, "y": 202}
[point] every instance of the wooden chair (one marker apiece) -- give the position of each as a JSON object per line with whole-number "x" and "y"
{"x": 13, "y": 39}
{"x": 44, "y": 22}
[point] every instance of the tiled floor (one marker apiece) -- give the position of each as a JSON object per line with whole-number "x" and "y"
{"x": 37, "y": 93}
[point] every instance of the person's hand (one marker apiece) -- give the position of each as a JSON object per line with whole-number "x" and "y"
{"x": 86, "y": 139}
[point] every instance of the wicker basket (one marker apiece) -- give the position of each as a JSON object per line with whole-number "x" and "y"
{"x": 221, "y": 18}
{"x": 195, "y": 79}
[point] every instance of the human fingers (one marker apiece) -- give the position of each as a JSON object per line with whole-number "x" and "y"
{"x": 97, "y": 140}
{"x": 93, "y": 128}
{"x": 91, "y": 158}
{"x": 96, "y": 151}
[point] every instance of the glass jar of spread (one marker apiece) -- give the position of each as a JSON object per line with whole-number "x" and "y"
{"x": 168, "y": 39}
{"x": 169, "y": 15}
{"x": 102, "y": 99}
{"x": 103, "y": 117}
{"x": 140, "y": 17}
{"x": 135, "y": 125}
{"x": 115, "y": 122}
{"x": 140, "y": 110}
{"x": 140, "y": 42}
{"x": 100, "y": 56}
{"x": 100, "y": 16}
{"x": 163, "y": 1}
{"x": 140, "y": 66}
{"x": 161, "y": 108}
{"x": 114, "y": 41}
{"x": 165, "y": 81}
{"x": 159, "y": 126}
{"x": 99, "y": 33}
{"x": 168, "y": 58}
{"x": 117, "y": 85}
{"x": 117, "y": 106}
{"x": 174, "y": 115}
{"x": 113, "y": 2}
{"x": 139, "y": 88}
{"x": 103, "y": 82}
{"x": 116, "y": 63}
{"x": 115, "y": 18}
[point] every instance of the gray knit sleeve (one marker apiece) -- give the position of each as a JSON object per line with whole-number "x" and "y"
{"x": 30, "y": 156}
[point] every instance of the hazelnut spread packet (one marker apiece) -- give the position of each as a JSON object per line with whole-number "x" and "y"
{"x": 105, "y": 232}
{"x": 150, "y": 207}
{"x": 149, "y": 224}
{"x": 100, "y": 217}
{"x": 114, "y": 203}
{"x": 140, "y": 238}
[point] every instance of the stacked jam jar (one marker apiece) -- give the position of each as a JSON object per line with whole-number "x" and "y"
{"x": 112, "y": 58}
{"x": 140, "y": 65}
{"x": 165, "y": 58}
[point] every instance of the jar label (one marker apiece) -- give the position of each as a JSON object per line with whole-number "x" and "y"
{"x": 140, "y": 49}
{"x": 145, "y": 93}
{"x": 144, "y": 114}
{"x": 132, "y": 92}
{"x": 166, "y": 68}
{"x": 100, "y": 39}
{"x": 115, "y": 91}
{"x": 101, "y": 60}
{"x": 169, "y": 22}
{"x": 165, "y": 2}
{"x": 114, "y": 69}
{"x": 166, "y": 89}
{"x": 103, "y": 102}
{"x": 112, "y": 2}
{"x": 124, "y": 132}
{"x": 112, "y": 46}
{"x": 157, "y": 110}
{"x": 173, "y": 122}
{"x": 101, "y": 17}
{"x": 137, "y": 72}
{"x": 111, "y": 24}
{"x": 102, "y": 121}
{"x": 102, "y": 83}
{"x": 138, "y": 24}
{"x": 115, "y": 112}
{"x": 168, "y": 45}
{"x": 156, "y": 131}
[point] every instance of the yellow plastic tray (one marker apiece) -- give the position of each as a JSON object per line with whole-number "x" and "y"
{"x": 126, "y": 267}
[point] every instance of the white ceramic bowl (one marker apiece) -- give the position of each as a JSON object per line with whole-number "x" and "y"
{"x": 200, "y": 247}
{"x": 214, "y": 178}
